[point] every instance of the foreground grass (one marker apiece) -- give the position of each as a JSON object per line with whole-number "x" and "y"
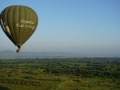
{"x": 65, "y": 83}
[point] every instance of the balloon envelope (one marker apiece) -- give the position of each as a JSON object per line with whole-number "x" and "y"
{"x": 18, "y": 23}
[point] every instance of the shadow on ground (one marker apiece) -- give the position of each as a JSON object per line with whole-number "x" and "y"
{"x": 3, "y": 88}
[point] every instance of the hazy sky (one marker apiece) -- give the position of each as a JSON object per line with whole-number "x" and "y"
{"x": 82, "y": 26}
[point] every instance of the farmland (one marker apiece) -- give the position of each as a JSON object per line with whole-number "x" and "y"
{"x": 60, "y": 74}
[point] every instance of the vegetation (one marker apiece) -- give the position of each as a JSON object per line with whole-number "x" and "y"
{"x": 60, "y": 74}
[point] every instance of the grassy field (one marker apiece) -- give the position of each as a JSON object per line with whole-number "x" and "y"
{"x": 65, "y": 83}
{"x": 35, "y": 75}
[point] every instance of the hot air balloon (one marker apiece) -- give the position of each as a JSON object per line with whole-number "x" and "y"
{"x": 18, "y": 23}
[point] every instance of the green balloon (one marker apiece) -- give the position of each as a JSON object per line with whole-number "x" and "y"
{"x": 18, "y": 23}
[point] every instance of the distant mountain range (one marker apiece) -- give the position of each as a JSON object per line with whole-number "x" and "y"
{"x": 11, "y": 54}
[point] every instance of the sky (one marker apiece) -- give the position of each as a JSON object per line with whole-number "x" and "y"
{"x": 91, "y": 27}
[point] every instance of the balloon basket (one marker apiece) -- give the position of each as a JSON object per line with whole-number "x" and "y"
{"x": 18, "y": 51}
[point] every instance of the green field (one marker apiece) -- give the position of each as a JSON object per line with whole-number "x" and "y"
{"x": 60, "y": 74}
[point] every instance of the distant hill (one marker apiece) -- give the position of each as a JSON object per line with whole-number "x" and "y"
{"x": 11, "y": 54}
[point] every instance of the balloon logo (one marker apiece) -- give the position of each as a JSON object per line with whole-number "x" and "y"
{"x": 18, "y": 23}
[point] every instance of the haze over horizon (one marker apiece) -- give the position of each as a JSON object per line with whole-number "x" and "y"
{"x": 78, "y": 26}
{"x": 12, "y": 54}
